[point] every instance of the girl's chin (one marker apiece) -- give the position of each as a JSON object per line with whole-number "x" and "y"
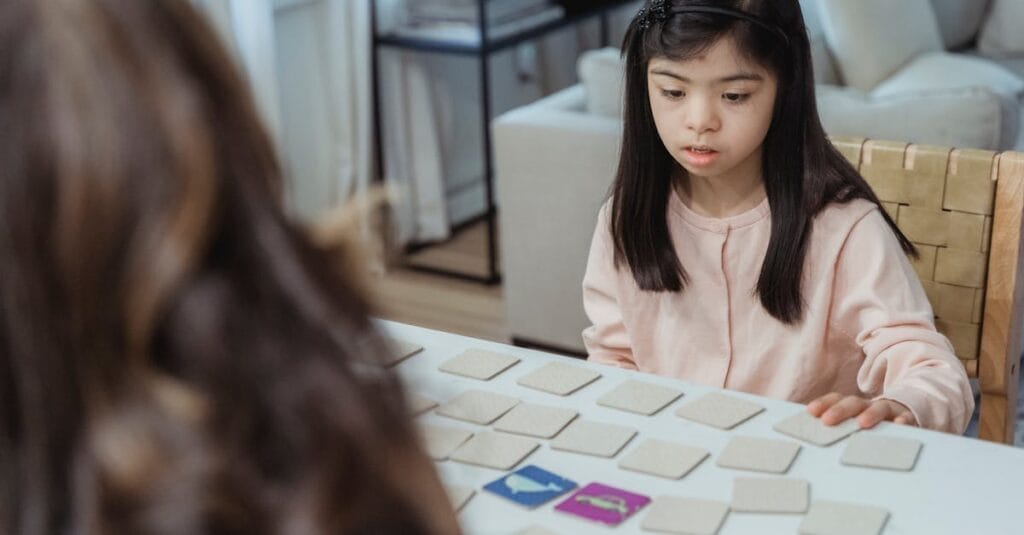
{"x": 706, "y": 171}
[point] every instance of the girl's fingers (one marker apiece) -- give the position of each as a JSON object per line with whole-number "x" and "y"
{"x": 834, "y": 408}
{"x": 846, "y": 408}
{"x": 906, "y": 418}
{"x": 820, "y": 405}
{"x": 876, "y": 412}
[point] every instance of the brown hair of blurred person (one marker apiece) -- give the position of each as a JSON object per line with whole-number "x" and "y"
{"x": 175, "y": 356}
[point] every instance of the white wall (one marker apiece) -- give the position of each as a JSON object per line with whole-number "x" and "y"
{"x": 311, "y": 145}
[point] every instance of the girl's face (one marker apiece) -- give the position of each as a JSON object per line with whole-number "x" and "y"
{"x": 712, "y": 111}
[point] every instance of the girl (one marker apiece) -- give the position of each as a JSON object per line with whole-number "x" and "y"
{"x": 742, "y": 250}
{"x": 175, "y": 356}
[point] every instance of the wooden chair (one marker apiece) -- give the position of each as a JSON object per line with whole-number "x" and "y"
{"x": 963, "y": 210}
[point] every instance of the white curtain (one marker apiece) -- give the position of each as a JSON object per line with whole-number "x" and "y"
{"x": 307, "y": 62}
{"x": 309, "y": 65}
{"x": 247, "y": 27}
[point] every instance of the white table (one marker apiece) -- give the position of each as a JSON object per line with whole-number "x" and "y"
{"x": 959, "y": 486}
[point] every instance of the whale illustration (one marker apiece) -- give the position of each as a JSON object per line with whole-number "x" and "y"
{"x": 519, "y": 483}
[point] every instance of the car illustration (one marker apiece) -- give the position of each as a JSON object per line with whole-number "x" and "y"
{"x": 605, "y": 502}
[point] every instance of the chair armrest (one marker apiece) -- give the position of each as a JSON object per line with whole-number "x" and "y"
{"x": 554, "y": 164}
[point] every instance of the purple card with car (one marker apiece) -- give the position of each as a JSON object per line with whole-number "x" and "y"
{"x": 602, "y": 503}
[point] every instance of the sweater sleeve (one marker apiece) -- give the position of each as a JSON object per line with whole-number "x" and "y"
{"x": 607, "y": 340}
{"x": 879, "y": 301}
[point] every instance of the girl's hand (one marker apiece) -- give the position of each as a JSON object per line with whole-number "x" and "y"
{"x": 835, "y": 408}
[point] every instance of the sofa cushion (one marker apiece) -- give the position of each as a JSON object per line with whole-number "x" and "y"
{"x": 1002, "y": 34}
{"x": 821, "y": 58}
{"x": 959, "y": 20}
{"x": 1013, "y": 64}
{"x": 943, "y": 70}
{"x": 824, "y": 67}
{"x": 965, "y": 118}
{"x": 601, "y": 73}
{"x": 871, "y": 39}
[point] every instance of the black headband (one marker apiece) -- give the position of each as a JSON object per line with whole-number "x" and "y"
{"x": 658, "y": 11}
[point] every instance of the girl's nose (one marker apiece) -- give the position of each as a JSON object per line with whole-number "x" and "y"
{"x": 701, "y": 117}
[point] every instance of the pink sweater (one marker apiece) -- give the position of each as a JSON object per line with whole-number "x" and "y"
{"x": 868, "y": 328}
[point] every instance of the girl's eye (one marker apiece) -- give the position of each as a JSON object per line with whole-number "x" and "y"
{"x": 735, "y": 97}
{"x": 671, "y": 93}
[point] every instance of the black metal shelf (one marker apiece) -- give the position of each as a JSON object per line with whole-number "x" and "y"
{"x": 482, "y": 52}
{"x": 497, "y": 45}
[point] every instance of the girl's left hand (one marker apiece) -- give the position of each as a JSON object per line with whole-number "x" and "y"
{"x": 835, "y": 408}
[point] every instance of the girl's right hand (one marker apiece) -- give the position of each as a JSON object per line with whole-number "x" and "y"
{"x": 834, "y": 408}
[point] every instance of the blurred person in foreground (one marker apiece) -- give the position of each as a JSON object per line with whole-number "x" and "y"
{"x": 175, "y": 355}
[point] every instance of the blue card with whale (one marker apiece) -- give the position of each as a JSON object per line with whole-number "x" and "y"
{"x": 530, "y": 486}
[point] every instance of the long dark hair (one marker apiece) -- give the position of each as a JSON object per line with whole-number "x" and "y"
{"x": 802, "y": 171}
{"x": 175, "y": 355}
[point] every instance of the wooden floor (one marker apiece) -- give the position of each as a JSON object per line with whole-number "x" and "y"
{"x": 443, "y": 303}
{"x": 465, "y": 252}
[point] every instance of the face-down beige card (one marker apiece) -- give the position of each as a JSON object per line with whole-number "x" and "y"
{"x": 689, "y": 516}
{"x": 639, "y": 397}
{"x": 873, "y": 450}
{"x": 535, "y": 420}
{"x": 805, "y": 427}
{"x": 418, "y": 403}
{"x": 442, "y": 441}
{"x": 593, "y": 438}
{"x": 770, "y": 495}
{"x": 401, "y": 350}
{"x": 833, "y": 518}
{"x": 495, "y": 450}
{"x": 719, "y": 410}
{"x": 477, "y": 406}
{"x": 664, "y": 459}
{"x": 558, "y": 378}
{"x": 758, "y": 454}
{"x": 479, "y": 364}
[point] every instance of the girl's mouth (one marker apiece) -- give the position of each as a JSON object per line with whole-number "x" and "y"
{"x": 700, "y": 156}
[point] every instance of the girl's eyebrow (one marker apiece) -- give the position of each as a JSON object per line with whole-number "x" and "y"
{"x": 738, "y": 77}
